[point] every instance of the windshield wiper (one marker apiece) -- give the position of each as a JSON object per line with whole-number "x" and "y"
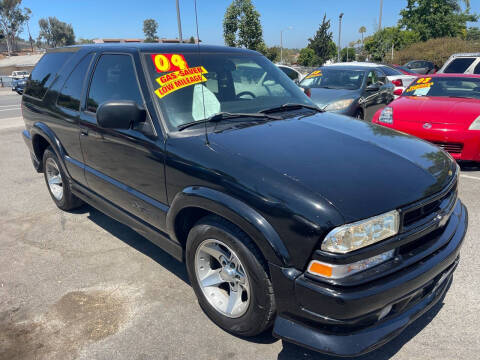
{"x": 227, "y": 115}
{"x": 290, "y": 106}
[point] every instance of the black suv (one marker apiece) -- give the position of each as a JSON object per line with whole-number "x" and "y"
{"x": 337, "y": 232}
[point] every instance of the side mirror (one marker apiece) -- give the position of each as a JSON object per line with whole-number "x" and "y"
{"x": 373, "y": 87}
{"x": 119, "y": 114}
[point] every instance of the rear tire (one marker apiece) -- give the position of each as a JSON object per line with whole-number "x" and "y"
{"x": 235, "y": 268}
{"x": 57, "y": 182}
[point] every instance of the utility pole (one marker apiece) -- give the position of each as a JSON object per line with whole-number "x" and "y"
{"x": 339, "y": 35}
{"x": 281, "y": 46}
{"x": 30, "y": 37}
{"x": 179, "y": 23}
{"x": 380, "y": 18}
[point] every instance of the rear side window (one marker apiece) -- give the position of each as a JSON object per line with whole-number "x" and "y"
{"x": 290, "y": 73}
{"x": 44, "y": 73}
{"x": 71, "y": 92}
{"x": 459, "y": 65}
{"x": 477, "y": 69}
{"x": 114, "y": 79}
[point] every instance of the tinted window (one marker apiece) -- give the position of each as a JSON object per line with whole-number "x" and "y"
{"x": 330, "y": 77}
{"x": 380, "y": 77}
{"x": 390, "y": 71}
{"x": 477, "y": 69}
{"x": 72, "y": 90}
{"x": 372, "y": 78}
{"x": 290, "y": 73}
{"x": 459, "y": 66}
{"x": 44, "y": 73}
{"x": 114, "y": 79}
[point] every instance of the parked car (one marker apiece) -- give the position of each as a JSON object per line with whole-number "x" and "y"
{"x": 443, "y": 109}
{"x": 400, "y": 80}
{"x": 421, "y": 67}
{"x": 467, "y": 63}
{"x": 356, "y": 90}
{"x": 19, "y": 85}
{"x": 292, "y": 73}
{"x": 403, "y": 69}
{"x": 20, "y": 75}
{"x": 337, "y": 232}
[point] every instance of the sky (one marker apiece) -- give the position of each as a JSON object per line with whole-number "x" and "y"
{"x": 299, "y": 19}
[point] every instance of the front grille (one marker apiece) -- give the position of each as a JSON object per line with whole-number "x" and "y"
{"x": 452, "y": 148}
{"x": 421, "y": 213}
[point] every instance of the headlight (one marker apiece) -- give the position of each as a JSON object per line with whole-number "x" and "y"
{"x": 386, "y": 116}
{"x": 475, "y": 125}
{"x": 333, "y": 271}
{"x": 357, "y": 235}
{"x": 338, "y": 105}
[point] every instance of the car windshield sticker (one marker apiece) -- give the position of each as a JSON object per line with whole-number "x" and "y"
{"x": 205, "y": 103}
{"x": 315, "y": 73}
{"x": 423, "y": 84}
{"x": 178, "y": 76}
{"x": 169, "y": 62}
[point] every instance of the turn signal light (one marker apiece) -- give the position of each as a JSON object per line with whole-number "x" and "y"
{"x": 320, "y": 269}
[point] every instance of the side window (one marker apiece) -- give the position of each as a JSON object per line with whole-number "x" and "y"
{"x": 71, "y": 92}
{"x": 380, "y": 77}
{"x": 477, "y": 69}
{"x": 371, "y": 79}
{"x": 44, "y": 73}
{"x": 459, "y": 65}
{"x": 114, "y": 79}
{"x": 290, "y": 73}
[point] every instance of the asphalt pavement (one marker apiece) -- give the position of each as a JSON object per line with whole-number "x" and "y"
{"x": 80, "y": 285}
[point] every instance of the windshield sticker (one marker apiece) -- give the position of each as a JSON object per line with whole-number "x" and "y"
{"x": 315, "y": 73}
{"x": 179, "y": 79}
{"x": 422, "y": 83}
{"x": 169, "y": 62}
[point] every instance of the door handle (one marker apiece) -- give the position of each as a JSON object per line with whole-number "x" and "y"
{"x": 84, "y": 132}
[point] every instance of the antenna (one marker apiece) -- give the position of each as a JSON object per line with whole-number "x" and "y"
{"x": 203, "y": 96}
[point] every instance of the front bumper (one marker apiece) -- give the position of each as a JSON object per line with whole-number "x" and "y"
{"x": 461, "y": 144}
{"x": 352, "y": 320}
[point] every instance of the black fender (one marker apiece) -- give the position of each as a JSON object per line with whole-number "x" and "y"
{"x": 235, "y": 211}
{"x": 41, "y": 129}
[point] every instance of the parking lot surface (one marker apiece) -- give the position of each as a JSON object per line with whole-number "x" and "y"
{"x": 80, "y": 285}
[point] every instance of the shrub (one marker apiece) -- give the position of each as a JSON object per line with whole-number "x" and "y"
{"x": 435, "y": 50}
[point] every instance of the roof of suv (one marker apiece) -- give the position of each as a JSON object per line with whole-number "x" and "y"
{"x": 356, "y": 63}
{"x": 155, "y": 47}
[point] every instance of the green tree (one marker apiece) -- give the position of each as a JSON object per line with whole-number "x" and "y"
{"x": 322, "y": 43}
{"x": 362, "y": 31}
{"x": 351, "y": 54}
{"x": 273, "y": 53}
{"x": 56, "y": 32}
{"x": 308, "y": 57}
{"x": 12, "y": 19}
{"x": 473, "y": 33}
{"x": 242, "y": 27}
{"x": 150, "y": 27}
{"x": 191, "y": 40}
{"x": 84, "y": 41}
{"x": 380, "y": 43}
{"x": 436, "y": 18}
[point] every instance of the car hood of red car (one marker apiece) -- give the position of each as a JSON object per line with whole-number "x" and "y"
{"x": 436, "y": 110}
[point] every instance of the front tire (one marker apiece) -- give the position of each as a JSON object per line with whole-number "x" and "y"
{"x": 230, "y": 277}
{"x": 57, "y": 182}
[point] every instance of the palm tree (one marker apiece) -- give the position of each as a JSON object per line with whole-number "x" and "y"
{"x": 362, "y": 31}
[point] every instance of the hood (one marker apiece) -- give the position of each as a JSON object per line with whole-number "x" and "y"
{"x": 322, "y": 97}
{"x": 436, "y": 110}
{"x": 360, "y": 168}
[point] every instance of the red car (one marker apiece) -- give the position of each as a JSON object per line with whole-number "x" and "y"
{"x": 443, "y": 109}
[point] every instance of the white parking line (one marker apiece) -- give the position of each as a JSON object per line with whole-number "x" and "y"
{"x": 470, "y": 177}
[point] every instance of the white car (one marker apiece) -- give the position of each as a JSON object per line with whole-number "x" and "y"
{"x": 397, "y": 78}
{"x": 16, "y": 75}
{"x": 293, "y": 74}
{"x": 464, "y": 63}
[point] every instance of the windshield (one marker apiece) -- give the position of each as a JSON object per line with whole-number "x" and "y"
{"x": 195, "y": 86}
{"x": 461, "y": 87}
{"x": 329, "y": 78}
